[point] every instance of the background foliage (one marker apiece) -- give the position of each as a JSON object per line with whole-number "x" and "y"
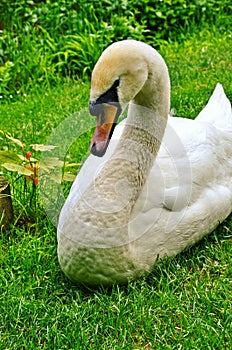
{"x": 44, "y": 41}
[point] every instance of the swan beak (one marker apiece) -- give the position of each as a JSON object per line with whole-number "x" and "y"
{"x": 105, "y": 123}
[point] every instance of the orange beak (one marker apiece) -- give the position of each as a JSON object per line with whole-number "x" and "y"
{"x": 105, "y": 123}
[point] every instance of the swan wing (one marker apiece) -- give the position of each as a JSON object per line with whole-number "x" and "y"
{"x": 189, "y": 188}
{"x": 218, "y": 110}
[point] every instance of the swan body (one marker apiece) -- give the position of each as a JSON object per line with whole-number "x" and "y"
{"x": 160, "y": 185}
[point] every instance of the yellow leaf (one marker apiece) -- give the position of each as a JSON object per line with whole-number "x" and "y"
{"x": 50, "y": 163}
{"x": 41, "y": 147}
{"x": 9, "y": 157}
{"x": 16, "y": 141}
{"x": 68, "y": 165}
{"x": 69, "y": 177}
{"x": 19, "y": 168}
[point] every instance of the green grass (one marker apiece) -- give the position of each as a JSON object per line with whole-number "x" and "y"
{"x": 184, "y": 303}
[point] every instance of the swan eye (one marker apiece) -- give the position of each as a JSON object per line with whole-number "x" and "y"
{"x": 110, "y": 96}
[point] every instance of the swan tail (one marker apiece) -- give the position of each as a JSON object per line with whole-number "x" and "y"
{"x": 218, "y": 110}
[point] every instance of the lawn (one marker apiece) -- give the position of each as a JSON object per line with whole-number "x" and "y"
{"x": 184, "y": 303}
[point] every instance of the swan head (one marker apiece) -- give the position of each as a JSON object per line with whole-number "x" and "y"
{"x": 122, "y": 74}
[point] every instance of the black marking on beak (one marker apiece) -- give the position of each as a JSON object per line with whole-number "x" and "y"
{"x": 110, "y": 97}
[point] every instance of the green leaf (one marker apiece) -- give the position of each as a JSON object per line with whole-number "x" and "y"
{"x": 9, "y": 157}
{"x": 159, "y": 14}
{"x": 19, "y": 168}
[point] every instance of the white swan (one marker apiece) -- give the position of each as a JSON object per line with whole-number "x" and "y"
{"x": 140, "y": 201}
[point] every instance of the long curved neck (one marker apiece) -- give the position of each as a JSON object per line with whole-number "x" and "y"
{"x": 111, "y": 198}
{"x": 124, "y": 175}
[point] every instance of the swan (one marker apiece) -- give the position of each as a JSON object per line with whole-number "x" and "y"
{"x": 155, "y": 184}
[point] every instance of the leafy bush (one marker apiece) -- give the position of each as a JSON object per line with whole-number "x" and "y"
{"x": 43, "y": 41}
{"x": 25, "y": 163}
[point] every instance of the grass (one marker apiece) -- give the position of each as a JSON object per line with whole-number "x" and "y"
{"x": 184, "y": 303}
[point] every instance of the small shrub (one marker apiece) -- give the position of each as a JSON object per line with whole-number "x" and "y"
{"x": 25, "y": 163}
